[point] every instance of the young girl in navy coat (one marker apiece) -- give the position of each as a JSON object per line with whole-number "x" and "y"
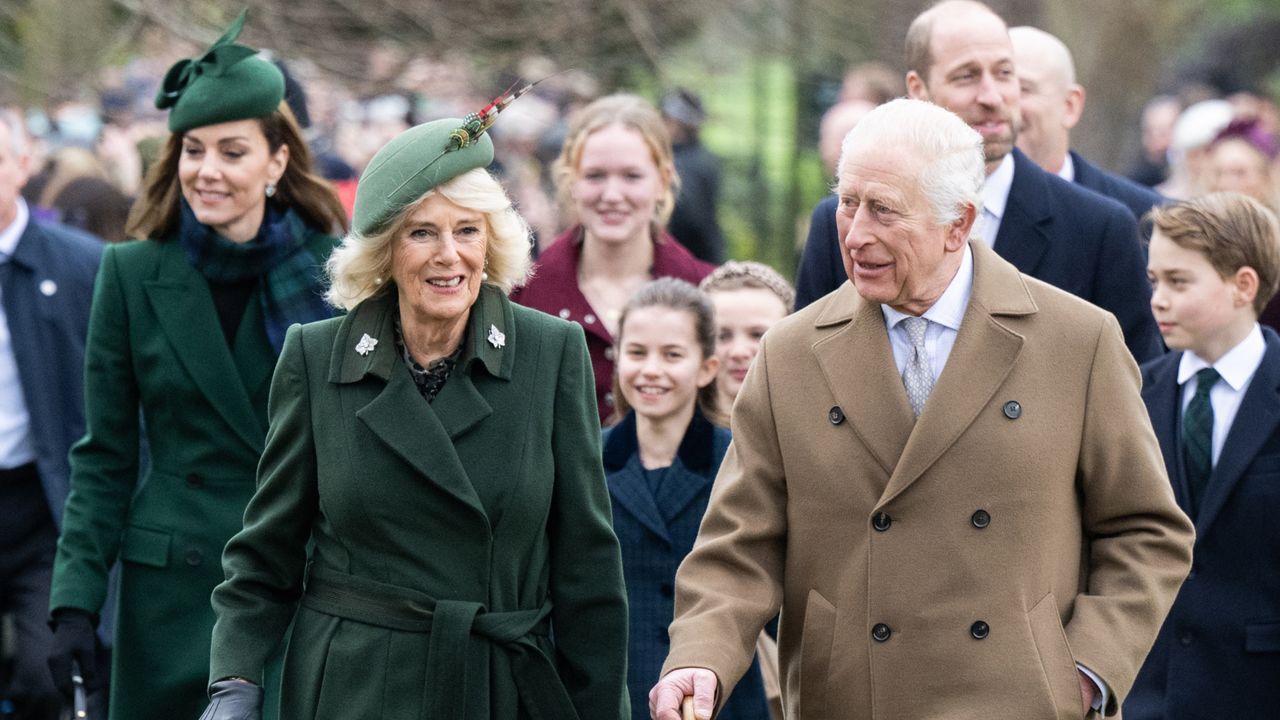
{"x": 661, "y": 459}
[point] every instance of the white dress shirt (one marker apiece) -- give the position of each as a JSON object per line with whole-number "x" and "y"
{"x": 944, "y": 318}
{"x": 995, "y": 195}
{"x": 1068, "y": 170}
{"x": 1236, "y": 367}
{"x": 16, "y": 447}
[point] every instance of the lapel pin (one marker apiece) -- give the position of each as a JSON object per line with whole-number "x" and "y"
{"x": 48, "y": 288}
{"x": 496, "y": 338}
{"x": 366, "y": 344}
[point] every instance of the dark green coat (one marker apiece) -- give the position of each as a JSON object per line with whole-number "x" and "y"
{"x": 155, "y": 347}
{"x": 441, "y": 532}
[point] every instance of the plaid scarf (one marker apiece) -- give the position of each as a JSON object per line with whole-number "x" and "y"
{"x": 291, "y": 277}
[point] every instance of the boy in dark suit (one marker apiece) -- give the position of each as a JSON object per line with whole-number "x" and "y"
{"x": 1215, "y": 406}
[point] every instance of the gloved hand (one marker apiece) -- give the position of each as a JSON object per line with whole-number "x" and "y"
{"x": 234, "y": 700}
{"x": 73, "y": 640}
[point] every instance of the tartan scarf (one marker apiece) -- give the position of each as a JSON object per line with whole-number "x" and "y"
{"x": 290, "y": 276}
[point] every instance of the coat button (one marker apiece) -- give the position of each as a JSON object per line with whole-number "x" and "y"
{"x": 881, "y": 521}
{"x": 835, "y": 415}
{"x": 1012, "y": 410}
{"x": 608, "y": 399}
{"x": 194, "y": 558}
{"x": 981, "y": 519}
{"x": 1184, "y": 638}
{"x": 194, "y": 481}
{"x": 564, "y": 313}
{"x": 880, "y": 632}
{"x": 589, "y": 318}
{"x": 979, "y": 630}
{"x": 609, "y": 353}
{"x": 666, "y": 590}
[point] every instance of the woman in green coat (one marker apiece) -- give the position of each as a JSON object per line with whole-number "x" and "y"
{"x": 431, "y": 512}
{"x": 184, "y": 334}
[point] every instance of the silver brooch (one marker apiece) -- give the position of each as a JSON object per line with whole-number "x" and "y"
{"x": 366, "y": 344}
{"x": 496, "y": 338}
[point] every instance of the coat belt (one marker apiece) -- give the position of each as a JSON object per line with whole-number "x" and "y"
{"x": 452, "y": 627}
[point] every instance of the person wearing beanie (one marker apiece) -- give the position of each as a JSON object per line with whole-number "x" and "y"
{"x": 232, "y": 231}
{"x": 432, "y": 525}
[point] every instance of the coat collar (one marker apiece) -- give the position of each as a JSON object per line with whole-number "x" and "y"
{"x": 1256, "y": 421}
{"x": 1024, "y": 229}
{"x": 375, "y": 317}
{"x": 985, "y": 351}
{"x": 696, "y": 450}
{"x": 180, "y": 298}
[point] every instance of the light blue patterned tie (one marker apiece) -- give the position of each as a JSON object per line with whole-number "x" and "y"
{"x": 918, "y": 375}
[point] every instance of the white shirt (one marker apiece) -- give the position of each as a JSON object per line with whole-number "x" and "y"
{"x": 1068, "y": 170}
{"x": 995, "y": 195}
{"x": 1237, "y": 368}
{"x": 944, "y": 318}
{"x": 16, "y": 447}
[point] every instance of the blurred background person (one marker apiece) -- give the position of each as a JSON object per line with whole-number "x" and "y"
{"x": 693, "y": 219}
{"x": 95, "y": 206}
{"x": 1195, "y": 129}
{"x": 749, "y": 298}
{"x": 433, "y": 474}
{"x": 1051, "y": 104}
{"x": 615, "y": 178}
{"x": 661, "y": 460}
{"x": 46, "y": 284}
{"x": 1158, "y": 116}
{"x": 1240, "y": 160}
{"x": 185, "y": 330}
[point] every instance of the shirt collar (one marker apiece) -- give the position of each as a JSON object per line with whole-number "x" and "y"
{"x": 1235, "y": 367}
{"x": 995, "y": 190}
{"x": 9, "y": 236}
{"x": 1068, "y": 170}
{"x": 948, "y": 311}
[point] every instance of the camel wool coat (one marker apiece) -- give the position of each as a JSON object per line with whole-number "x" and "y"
{"x": 953, "y": 566}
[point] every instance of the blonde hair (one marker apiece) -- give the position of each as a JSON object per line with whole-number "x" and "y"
{"x": 743, "y": 274}
{"x": 360, "y": 267}
{"x": 629, "y": 111}
{"x": 1231, "y": 231}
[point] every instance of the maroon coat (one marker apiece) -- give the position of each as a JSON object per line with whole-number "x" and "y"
{"x": 553, "y": 289}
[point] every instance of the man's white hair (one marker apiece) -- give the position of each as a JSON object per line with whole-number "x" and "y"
{"x": 954, "y": 166}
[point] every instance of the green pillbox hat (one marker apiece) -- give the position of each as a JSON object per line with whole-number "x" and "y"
{"x": 415, "y": 161}
{"x": 226, "y": 83}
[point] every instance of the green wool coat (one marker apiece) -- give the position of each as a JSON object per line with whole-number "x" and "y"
{"x": 155, "y": 347}
{"x": 458, "y": 556}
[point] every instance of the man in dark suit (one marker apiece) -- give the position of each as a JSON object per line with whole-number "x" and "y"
{"x": 961, "y": 59}
{"x": 1052, "y": 103}
{"x": 1215, "y": 406}
{"x": 46, "y": 283}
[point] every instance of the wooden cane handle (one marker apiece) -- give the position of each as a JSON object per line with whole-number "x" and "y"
{"x": 686, "y": 709}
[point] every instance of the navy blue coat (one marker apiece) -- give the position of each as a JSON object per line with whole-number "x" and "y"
{"x": 1138, "y": 198}
{"x": 1218, "y": 654}
{"x": 47, "y": 294}
{"x": 656, "y": 533}
{"x": 1052, "y": 230}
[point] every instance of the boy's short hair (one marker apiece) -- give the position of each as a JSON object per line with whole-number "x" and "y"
{"x": 1231, "y": 231}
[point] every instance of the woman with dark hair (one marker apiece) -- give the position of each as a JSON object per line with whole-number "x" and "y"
{"x": 185, "y": 330}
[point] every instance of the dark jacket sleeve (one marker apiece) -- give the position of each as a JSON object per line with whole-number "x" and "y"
{"x": 104, "y": 464}
{"x": 264, "y": 562}
{"x": 1121, "y": 286}
{"x": 821, "y": 269}
{"x": 589, "y": 620}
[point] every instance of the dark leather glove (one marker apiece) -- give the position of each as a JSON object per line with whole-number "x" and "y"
{"x": 233, "y": 700}
{"x": 74, "y": 639}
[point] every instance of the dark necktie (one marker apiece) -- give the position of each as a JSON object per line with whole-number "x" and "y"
{"x": 1197, "y": 435}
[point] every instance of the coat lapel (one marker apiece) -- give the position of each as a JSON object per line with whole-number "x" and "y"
{"x": 1260, "y": 413}
{"x": 180, "y": 298}
{"x": 858, "y": 365}
{"x": 984, "y": 353}
{"x": 1162, "y": 394}
{"x": 679, "y": 489}
{"x": 1023, "y": 237}
{"x": 627, "y": 485}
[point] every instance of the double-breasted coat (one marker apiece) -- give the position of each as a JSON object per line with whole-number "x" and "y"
{"x": 461, "y": 561}
{"x": 155, "y": 351}
{"x": 656, "y": 531}
{"x": 956, "y": 565}
{"x": 1218, "y": 654}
